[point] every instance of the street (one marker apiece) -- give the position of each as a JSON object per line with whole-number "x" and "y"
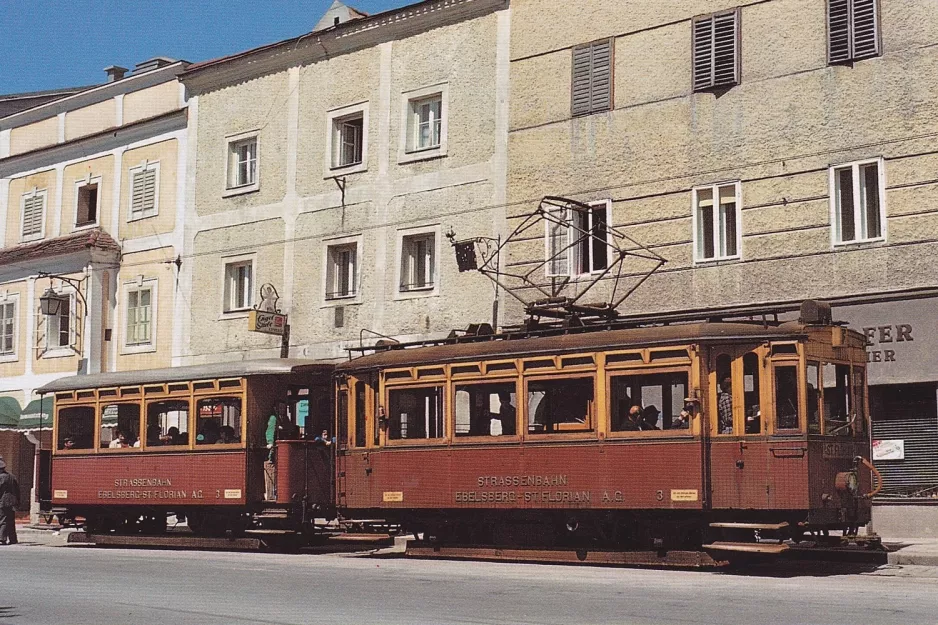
{"x": 43, "y": 585}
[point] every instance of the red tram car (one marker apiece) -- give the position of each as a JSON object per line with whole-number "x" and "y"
{"x": 714, "y": 434}
{"x": 132, "y": 447}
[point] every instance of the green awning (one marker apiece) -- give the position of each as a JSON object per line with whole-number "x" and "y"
{"x": 9, "y": 412}
{"x": 34, "y": 411}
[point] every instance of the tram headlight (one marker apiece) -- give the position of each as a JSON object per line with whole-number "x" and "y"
{"x": 847, "y": 482}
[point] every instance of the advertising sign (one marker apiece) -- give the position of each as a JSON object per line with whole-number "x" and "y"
{"x": 889, "y": 450}
{"x": 267, "y": 322}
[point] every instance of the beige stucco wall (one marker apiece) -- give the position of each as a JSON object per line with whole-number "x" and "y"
{"x": 167, "y": 153}
{"x": 16, "y": 291}
{"x": 91, "y": 119}
{"x": 33, "y": 136}
{"x": 145, "y": 268}
{"x": 778, "y": 132}
{"x": 45, "y": 180}
{"x": 162, "y": 98}
{"x": 102, "y": 168}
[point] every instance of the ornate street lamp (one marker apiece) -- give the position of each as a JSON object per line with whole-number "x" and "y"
{"x": 50, "y": 303}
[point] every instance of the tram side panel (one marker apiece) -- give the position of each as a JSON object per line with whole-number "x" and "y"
{"x": 751, "y": 474}
{"x": 558, "y": 476}
{"x": 171, "y": 481}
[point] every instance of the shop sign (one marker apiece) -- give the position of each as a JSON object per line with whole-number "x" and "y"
{"x": 901, "y": 339}
{"x": 267, "y": 322}
{"x": 889, "y": 450}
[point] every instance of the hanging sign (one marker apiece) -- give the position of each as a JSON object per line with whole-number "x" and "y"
{"x": 267, "y": 322}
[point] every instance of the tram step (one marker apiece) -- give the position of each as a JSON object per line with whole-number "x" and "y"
{"x": 750, "y": 526}
{"x": 766, "y": 548}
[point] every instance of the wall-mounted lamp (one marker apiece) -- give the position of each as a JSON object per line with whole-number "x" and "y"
{"x": 50, "y": 303}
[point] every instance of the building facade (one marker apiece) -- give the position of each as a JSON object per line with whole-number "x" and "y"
{"x": 769, "y": 152}
{"x": 331, "y": 167}
{"x": 91, "y": 216}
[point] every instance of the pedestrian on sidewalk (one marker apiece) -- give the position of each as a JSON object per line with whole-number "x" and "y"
{"x": 9, "y": 499}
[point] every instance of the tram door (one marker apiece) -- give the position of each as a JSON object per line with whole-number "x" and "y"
{"x": 736, "y": 392}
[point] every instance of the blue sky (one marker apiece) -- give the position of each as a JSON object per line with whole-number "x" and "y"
{"x": 66, "y": 43}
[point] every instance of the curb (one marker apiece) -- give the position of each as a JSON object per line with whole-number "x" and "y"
{"x": 907, "y": 557}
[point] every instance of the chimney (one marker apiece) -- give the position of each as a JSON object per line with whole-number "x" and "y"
{"x": 115, "y": 72}
{"x": 154, "y": 63}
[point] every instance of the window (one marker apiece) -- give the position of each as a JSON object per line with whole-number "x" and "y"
{"x": 591, "y": 253}
{"x": 120, "y": 426}
{"x": 426, "y": 123}
{"x": 852, "y": 30}
{"x": 591, "y": 83}
{"x": 348, "y": 142}
{"x": 139, "y": 316}
{"x": 786, "y": 397}
{"x": 76, "y": 428}
{"x": 415, "y": 413}
{"x": 360, "y": 414}
{"x": 168, "y": 423}
{"x": 814, "y": 398}
{"x": 837, "y": 399}
{"x": 34, "y": 215}
{"x": 559, "y": 406}
{"x": 486, "y": 409}
{"x": 751, "y": 398}
{"x": 418, "y": 266}
{"x": 648, "y": 402}
{"x": 144, "y": 195}
{"x": 238, "y": 285}
{"x": 724, "y": 394}
{"x": 7, "y": 328}
{"x": 716, "y": 222}
{"x": 242, "y": 162}
{"x": 859, "y": 212}
{"x": 86, "y": 210}
{"x": 59, "y": 327}
{"x": 218, "y": 420}
{"x": 716, "y": 50}
{"x": 341, "y": 270}
{"x": 557, "y": 241}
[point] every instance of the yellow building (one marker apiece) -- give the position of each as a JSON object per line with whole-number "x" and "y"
{"x": 91, "y": 218}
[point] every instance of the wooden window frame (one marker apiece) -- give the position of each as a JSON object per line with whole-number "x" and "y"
{"x": 611, "y": 374}
{"x": 385, "y": 392}
{"x": 494, "y": 440}
{"x": 593, "y": 433}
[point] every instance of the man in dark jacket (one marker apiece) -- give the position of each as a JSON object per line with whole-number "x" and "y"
{"x": 9, "y": 498}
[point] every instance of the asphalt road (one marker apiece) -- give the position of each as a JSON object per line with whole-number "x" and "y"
{"x": 74, "y": 586}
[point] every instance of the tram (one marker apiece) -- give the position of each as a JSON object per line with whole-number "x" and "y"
{"x": 725, "y": 436}
{"x": 132, "y": 448}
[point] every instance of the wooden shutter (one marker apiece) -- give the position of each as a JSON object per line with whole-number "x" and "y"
{"x": 591, "y": 85}
{"x": 32, "y": 216}
{"x": 852, "y": 30}
{"x": 716, "y": 51}
{"x": 144, "y": 192}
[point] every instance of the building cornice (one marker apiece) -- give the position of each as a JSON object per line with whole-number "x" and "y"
{"x": 94, "y": 95}
{"x": 344, "y": 38}
{"x": 104, "y": 141}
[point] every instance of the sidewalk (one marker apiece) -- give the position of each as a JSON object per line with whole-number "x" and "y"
{"x": 915, "y": 551}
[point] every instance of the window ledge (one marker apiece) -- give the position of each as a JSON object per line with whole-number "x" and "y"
{"x": 87, "y": 226}
{"x": 141, "y": 217}
{"x": 417, "y": 293}
{"x": 714, "y": 262}
{"x": 59, "y": 352}
{"x": 235, "y": 314}
{"x": 426, "y": 154}
{"x": 341, "y": 170}
{"x": 31, "y": 239}
{"x": 350, "y": 300}
{"x": 859, "y": 243}
{"x": 5, "y": 358}
{"x": 242, "y": 190}
{"x": 142, "y": 348}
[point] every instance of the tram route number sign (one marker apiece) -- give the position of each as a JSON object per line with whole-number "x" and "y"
{"x": 267, "y": 322}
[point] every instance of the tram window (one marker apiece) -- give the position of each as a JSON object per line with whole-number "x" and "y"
{"x": 837, "y": 399}
{"x": 120, "y": 425}
{"x": 658, "y": 396}
{"x": 360, "y": 414}
{"x": 814, "y": 398}
{"x": 751, "y": 399}
{"x": 76, "y": 428}
{"x": 859, "y": 384}
{"x": 486, "y": 410}
{"x": 415, "y": 413}
{"x": 557, "y": 406}
{"x": 725, "y": 391}
{"x": 342, "y": 417}
{"x": 167, "y": 423}
{"x": 218, "y": 420}
{"x": 786, "y": 397}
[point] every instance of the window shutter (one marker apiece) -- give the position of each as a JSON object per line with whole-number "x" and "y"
{"x": 144, "y": 191}
{"x": 591, "y": 87}
{"x": 40, "y": 320}
{"x": 716, "y": 51}
{"x": 838, "y": 30}
{"x": 865, "y": 31}
{"x": 32, "y": 216}
{"x": 582, "y": 58}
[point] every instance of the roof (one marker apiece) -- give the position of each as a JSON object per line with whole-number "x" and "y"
{"x": 59, "y": 246}
{"x": 501, "y": 347}
{"x": 336, "y": 14}
{"x": 236, "y": 369}
{"x": 11, "y": 103}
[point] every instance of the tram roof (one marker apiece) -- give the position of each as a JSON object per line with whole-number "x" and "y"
{"x": 501, "y": 346}
{"x": 236, "y": 369}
